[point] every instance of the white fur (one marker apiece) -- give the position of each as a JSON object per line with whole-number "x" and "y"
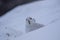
{"x": 33, "y": 25}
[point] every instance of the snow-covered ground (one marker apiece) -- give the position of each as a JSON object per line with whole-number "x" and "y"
{"x": 45, "y": 12}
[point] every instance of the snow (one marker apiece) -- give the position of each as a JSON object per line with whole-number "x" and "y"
{"x": 7, "y": 33}
{"x": 46, "y": 12}
{"x": 50, "y": 32}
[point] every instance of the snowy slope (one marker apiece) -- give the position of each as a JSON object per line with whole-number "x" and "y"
{"x": 50, "y": 32}
{"x": 6, "y": 33}
{"x": 46, "y": 12}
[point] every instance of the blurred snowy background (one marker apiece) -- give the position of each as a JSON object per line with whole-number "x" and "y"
{"x": 47, "y": 12}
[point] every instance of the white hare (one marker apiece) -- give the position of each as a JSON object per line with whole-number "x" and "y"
{"x": 32, "y": 25}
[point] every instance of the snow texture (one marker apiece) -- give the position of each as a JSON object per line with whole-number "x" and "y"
{"x": 7, "y": 33}
{"x": 46, "y": 12}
